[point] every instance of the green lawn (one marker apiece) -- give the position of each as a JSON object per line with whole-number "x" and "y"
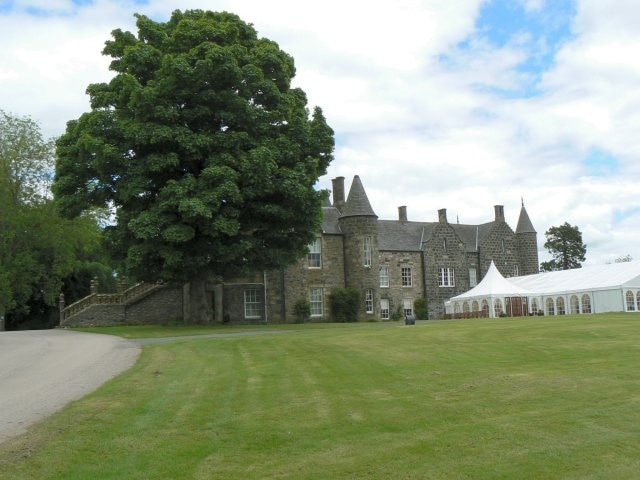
{"x": 534, "y": 398}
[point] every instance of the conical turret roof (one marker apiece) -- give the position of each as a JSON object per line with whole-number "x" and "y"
{"x": 524, "y": 223}
{"x": 357, "y": 204}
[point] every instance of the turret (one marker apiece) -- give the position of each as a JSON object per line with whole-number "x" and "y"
{"x": 359, "y": 224}
{"x": 526, "y": 244}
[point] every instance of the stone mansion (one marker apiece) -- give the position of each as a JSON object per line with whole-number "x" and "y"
{"x": 390, "y": 262}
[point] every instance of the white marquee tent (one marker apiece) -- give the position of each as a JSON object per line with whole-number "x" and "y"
{"x": 603, "y": 288}
{"x": 492, "y": 296}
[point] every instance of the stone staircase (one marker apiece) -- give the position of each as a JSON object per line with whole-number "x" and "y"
{"x": 108, "y": 308}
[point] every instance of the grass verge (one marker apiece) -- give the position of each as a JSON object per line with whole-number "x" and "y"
{"x": 543, "y": 397}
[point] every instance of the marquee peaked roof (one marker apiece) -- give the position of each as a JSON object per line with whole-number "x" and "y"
{"x": 494, "y": 285}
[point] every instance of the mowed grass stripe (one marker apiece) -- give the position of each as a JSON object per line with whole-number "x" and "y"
{"x": 506, "y": 398}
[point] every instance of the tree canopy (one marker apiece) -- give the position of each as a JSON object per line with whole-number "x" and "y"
{"x": 202, "y": 149}
{"x": 564, "y": 243}
{"x": 38, "y": 249}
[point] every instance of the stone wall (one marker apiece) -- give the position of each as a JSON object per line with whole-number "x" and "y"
{"x": 444, "y": 250}
{"x": 500, "y": 246}
{"x": 527, "y": 245}
{"x": 395, "y": 292}
{"x": 357, "y": 275}
{"x": 233, "y": 303}
{"x": 299, "y": 279}
{"x": 159, "y": 306}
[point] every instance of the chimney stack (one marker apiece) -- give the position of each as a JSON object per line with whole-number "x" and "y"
{"x": 402, "y": 213}
{"x": 442, "y": 215}
{"x": 499, "y": 209}
{"x": 338, "y": 193}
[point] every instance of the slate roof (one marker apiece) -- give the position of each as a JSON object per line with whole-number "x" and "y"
{"x": 394, "y": 235}
{"x": 397, "y": 235}
{"x": 330, "y": 223}
{"x": 357, "y": 201}
{"x": 524, "y": 223}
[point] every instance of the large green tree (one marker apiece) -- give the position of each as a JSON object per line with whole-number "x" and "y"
{"x": 202, "y": 148}
{"x": 564, "y": 243}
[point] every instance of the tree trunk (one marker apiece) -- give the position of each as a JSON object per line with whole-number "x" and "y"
{"x": 197, "y": 309}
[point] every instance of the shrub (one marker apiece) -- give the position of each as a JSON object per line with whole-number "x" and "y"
{"x": 421, "y": 310}
{"x": 345, "y": 304}
{"x": 397, "y": 314}
{"x": 302, "y": 310}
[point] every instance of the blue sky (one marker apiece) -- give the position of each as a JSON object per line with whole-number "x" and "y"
{"x": 462, "y": 104}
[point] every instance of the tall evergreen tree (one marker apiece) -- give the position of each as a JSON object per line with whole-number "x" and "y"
{"x": 564, "y": 243}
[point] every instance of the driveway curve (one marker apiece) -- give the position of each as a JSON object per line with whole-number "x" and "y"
{"x": 43, "y": 370}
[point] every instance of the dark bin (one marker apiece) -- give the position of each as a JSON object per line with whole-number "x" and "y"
{"x": 410, "y": 320}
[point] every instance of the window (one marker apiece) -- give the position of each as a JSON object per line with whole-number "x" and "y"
{"x": 367, "y": 251}
{"x": 586, "y": 303}
{"x": 638, "y": 300}
{"x": 631, "y": 301}
{"x": 444, "y": 244}
{"x": 251, "y": 304}
{"x": 485, "y": 308}
{"x": 575, "y": 304}
{"x": 446, "y": 278}
{"x": 560, "y": 306}
{"x": 384, "y": 309}
{"x": 315, "y": 301}
{"x": 314, "y": 257}
{"x": 534, "y": 306}
{"x": 550, "y": 307}
{"x": 503, "y": 244}
{"x": 406, "y": 277}
{"x": 456, "y": 308}
{"x": 407, "y": 306}
{"x": 368, "y": 300}
{"x": 497, "y": 307}
{"x": 473, "y": 277}
{"x": 474, "y": 306}
{"x": 465, "y": 307}
{"x": 384, "y": 276}
{"x": 516, "y": 271}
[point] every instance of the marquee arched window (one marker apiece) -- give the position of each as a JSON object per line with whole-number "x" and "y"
{"x": 485, "y": 308}
{"x": 550, "y": 307}
{"x": 534, "y": 306}
{"x": 575, "y": 304}
{"x": 638, "y": 301}
{"x": 631, "y": 301}
{"x": 560, "y": 306}
{"x": 456, "y": 307}
{"x": 497, "y": 307}
{"x": 586, "y": 303}
{"x": 465, "y": 307}
{"x": 474, "y": 305}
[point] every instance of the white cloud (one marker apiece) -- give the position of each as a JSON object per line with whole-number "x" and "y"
{"x": 419, "y": 130}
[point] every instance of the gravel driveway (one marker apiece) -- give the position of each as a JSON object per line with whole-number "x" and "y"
{"x": 43, "y": 370}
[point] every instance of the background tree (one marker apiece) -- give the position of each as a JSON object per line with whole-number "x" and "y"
{"x": 38, "y": 249}
{"x": 202, "y": 148}
{"x": 623, "y": 258}
{"x": 565, "y": 245}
